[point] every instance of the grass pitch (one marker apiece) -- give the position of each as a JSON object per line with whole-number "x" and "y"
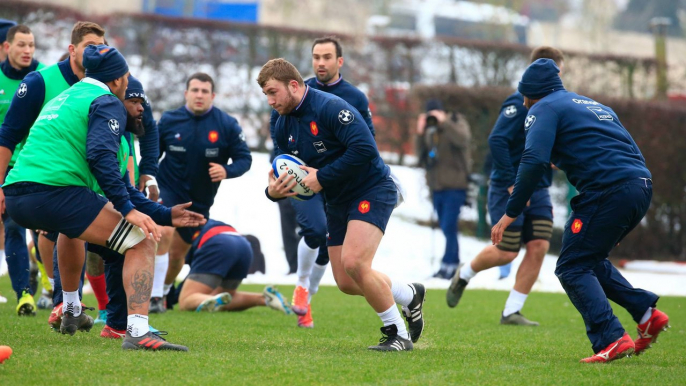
{"x": 465, "y": 345}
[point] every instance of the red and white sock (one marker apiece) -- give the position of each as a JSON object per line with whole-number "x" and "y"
{"x": 99, "y": 290}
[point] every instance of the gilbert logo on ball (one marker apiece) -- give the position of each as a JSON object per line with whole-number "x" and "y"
{"x": 289, "y": 164}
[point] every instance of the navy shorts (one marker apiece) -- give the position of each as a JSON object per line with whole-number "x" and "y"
{"x": 108, "y": 255}
{"x": 540, "y": 207}
{"x": 226, "y": 255}
{"x": 169, "y": 199}
{"x": 373, "y": 206}
{"x": 69, "y": 210}
{"x": 311, "y": 216}
{"x": 52, "y": 236}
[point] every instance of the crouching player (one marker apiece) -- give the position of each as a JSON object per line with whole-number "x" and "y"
{"x": 220, "y": 259}
{"x": 78, "y": 135}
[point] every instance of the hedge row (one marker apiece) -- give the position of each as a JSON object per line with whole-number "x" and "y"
{"x": 657, "y": 128}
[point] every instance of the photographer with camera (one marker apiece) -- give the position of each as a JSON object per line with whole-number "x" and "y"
{"x": 443, "y": 147}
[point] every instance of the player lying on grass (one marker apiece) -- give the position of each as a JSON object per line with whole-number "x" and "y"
{"x": 220, "y": 259}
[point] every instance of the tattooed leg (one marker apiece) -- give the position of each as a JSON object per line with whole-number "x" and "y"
{"x": 142, "y": 286}
{"x": 95, "y": 266}
{"x": 137, "y": 276}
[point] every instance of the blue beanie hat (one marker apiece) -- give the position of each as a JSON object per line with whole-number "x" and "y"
{"x": 135, "y": 89}
{"x": 5, "y": 26}
{"x": 540, "y": 79}
{"x": 433, "y": 104}
{"x": 104, "y": 63}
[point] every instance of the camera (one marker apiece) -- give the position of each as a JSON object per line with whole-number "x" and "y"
{"x": 431, "y": 122}
{"x": 431, "y": 127}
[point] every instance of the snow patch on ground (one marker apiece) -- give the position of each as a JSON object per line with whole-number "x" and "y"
{"x": 408, "y": 252}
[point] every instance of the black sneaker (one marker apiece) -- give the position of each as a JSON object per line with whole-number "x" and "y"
{"x": 517, "y": 319}
{"x": 157, "y": 306}
{"x": 390, "y": 341}
{"x": 150, "y": 341}
{"x": 413, "y": 312}
{"x": 70, "y": 323}
{"x": 456, "y": 289}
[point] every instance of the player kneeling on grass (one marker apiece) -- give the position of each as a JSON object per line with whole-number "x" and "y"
{"x": 74, "y": 150}
{"x": 220, "y": 259}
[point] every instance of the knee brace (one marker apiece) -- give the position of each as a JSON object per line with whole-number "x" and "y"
{"x": 124, "y": 237}
{"x": 314, "y": 242}
{"x": 323, "y": 256}
{"x": 512, "y": 240}
{"x": 537, "y": 229}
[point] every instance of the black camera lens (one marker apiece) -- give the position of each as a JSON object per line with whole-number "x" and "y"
{"x": 431, "y": 121}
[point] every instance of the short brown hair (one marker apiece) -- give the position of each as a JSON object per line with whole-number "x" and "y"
{"x": 20, "y": 28}
{"x": 83, "y": 28}
{"x": 547, "y": 52}
{"x": 203, "y": 77}
{"x": 332, "y": 40}
{"x": 281, "y": 70}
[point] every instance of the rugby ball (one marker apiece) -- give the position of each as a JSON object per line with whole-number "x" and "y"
{"x": 285, "y": 163}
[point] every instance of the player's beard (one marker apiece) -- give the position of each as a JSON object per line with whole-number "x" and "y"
{"x": 290, "y": 104}
{"x": 326, "y": 78}
{"x": 134, "y": 125}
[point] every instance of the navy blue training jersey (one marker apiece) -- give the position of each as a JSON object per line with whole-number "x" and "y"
{"x": 349, "y": 93}
{"x": 581, "y": 137}
{"x": 149, "y": 143}
{"x": 507, "y": 143}
{"x": 26, "y": 107}
{"x": 328, "y": 134}
{"x": 209, "y": 230}
{"x": 15, "y": 74}
{"x": 190, "y": 143}
{"x": 102, "y": 145}
{"x": 341, "y": 89}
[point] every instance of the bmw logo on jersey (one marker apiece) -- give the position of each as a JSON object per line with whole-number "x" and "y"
{"x": 21, "y": 91}
{"x": 346, "y": 117}
{"x": 114, "y": 126}
{"x": 510, "y": 111}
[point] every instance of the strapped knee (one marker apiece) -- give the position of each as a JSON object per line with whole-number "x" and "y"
{"x": 512, "y": 240}
{"x": 124, "y": 237}
{"x": 323, "y": 256}
{"x": 314, "y": 242}
{"x": 537, "y": 229}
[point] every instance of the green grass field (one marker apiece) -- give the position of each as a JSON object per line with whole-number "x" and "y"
{"x": 465, "y": 345}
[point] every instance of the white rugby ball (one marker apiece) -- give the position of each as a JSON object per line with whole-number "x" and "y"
{"x": 285, "y": 163}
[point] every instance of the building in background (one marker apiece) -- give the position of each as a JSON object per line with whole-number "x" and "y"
{"x": 90, "y": 7}
{"x": 242, "y": 11}
{"x": 449, "y": 18}
{"x": 605, "y": 27}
